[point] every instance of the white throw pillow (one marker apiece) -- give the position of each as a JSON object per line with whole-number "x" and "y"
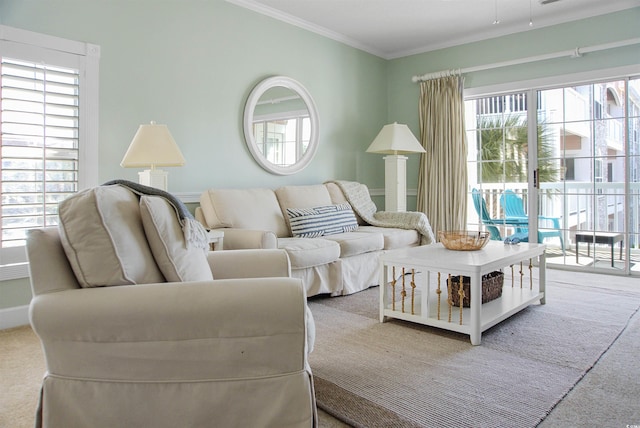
{"x": 166, "y": 239}
{"x": 102, "y": 236}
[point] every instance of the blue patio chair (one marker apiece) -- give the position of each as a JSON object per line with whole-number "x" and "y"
{"x": 513, "y": 206}
{"x": 490, "y": 224}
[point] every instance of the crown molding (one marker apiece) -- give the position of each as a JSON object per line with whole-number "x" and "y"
{"x": 306, "y": 25}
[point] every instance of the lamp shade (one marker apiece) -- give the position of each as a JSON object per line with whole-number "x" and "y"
{"x": 395, "y": 139}
{"x": 152, "y": 146}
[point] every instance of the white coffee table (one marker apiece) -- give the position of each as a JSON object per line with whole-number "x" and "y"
{"x": 424, "y": 305}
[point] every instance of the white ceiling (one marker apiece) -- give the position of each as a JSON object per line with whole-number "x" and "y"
{"x": 396, "y": 28}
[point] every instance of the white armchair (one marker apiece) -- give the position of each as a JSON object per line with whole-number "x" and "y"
{"x": 226, "y": 352}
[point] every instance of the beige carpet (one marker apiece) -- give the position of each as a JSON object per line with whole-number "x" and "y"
{"x": 401, "y": 374}
{"x": 21, "y": 370}
{"x": 606, "y": 396}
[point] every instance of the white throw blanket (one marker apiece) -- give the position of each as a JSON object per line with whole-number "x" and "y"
{"x": 357, "y": 195}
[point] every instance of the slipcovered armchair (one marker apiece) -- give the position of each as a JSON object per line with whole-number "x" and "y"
{"x": 230, "y": 350}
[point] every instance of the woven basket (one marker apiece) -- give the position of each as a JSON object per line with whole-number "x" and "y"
{"x": 491, "y": 288}
{"x": 463, "y": 240}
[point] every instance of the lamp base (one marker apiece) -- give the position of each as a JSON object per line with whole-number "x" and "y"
{"x": 154, "y": 178}
{"x": 395, "y": 187}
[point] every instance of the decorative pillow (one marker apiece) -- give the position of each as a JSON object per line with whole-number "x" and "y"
{"x": 323, "y": 220}
{"x": 102, "y": 236}
{"x": 166, "y": 239}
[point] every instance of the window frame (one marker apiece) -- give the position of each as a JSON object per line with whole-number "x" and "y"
{"x": 30, "y": 46}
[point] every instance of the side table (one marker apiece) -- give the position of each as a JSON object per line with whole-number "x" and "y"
{"x": 216, "y": 240}
{"x": 609, "y": 238}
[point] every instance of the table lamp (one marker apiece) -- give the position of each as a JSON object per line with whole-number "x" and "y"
{"x": 395, "y": 140}
{"x": 153, "y": 146}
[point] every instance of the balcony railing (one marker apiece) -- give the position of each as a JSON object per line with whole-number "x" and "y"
{"x": 580, "y": 206}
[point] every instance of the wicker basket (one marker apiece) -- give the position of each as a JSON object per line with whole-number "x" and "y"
{"x": 463, "y": 240}
{"x": 491, "y": 288}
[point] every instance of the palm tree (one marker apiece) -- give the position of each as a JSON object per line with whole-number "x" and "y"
{"x": 504, "y": 150}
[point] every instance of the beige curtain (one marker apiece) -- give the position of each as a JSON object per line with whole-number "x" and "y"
{"x": 442, "y": 183}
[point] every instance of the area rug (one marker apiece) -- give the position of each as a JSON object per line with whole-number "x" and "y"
{"x": 399, "y": 374}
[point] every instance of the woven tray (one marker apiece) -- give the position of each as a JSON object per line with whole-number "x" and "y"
{"x": 491, "y": 288}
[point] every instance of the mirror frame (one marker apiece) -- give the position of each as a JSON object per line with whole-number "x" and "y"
{"x": 249, "y": 110}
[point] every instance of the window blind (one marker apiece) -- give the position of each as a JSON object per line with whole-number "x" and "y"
{"x": 39, "y": 143}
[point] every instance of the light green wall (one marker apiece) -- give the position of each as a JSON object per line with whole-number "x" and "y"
{"x": 15, "y": 292}
{"x": 191, "y": 64}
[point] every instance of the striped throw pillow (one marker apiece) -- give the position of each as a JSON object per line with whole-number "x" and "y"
{"x": 319, "y": 221}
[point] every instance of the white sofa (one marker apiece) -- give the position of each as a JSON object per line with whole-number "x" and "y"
{"x": 335, "y": 263}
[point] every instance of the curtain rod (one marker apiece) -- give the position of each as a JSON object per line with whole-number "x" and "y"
{"x": 576, "y": 53}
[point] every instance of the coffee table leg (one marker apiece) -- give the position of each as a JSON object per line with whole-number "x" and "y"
{"x": 476, "y": 308}
{"x": 542, "y": 276}
{"x": 383, "y": 290}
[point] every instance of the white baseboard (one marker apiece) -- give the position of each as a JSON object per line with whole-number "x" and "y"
{"x": 14, "y": 317}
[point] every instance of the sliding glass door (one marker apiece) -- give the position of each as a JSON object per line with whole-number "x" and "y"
{"x": 595, "y": 129}
{"x": 572, "y": 156}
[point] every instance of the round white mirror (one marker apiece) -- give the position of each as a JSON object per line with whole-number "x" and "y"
{"x": 281, "y": 125}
